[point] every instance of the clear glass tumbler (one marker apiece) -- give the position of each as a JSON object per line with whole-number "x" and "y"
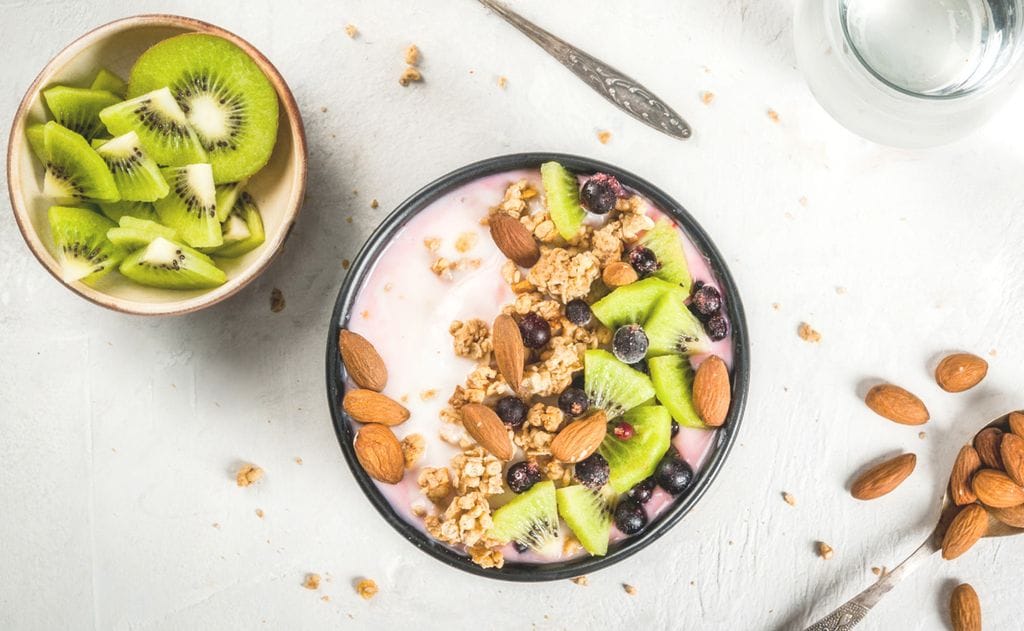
{"x": 910, "y": 73}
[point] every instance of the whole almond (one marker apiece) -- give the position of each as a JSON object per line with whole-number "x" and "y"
{"x": 987, "y": 443}
{"x": 579, "y": 439}
{"x": 514, "y": 240}
{"x": 1012, "y": 516}
{"x": 897, "y": 405}
{"x": 965, "y": 609}
{"x": 367, "y": 406}
{"x": 964, "y": 531}
{"x": 711, "y": 392}
{"x": 618, "y": 273}
{"x": 996, "y": 489}
{"x": 509, "y": 351}
{"x": 486, "y": 428}
{"x": 883, "y": 478}
{"x": 362, "y": 361}
{"x": 966, "y": 465}
{"x": 1012, "y": 451}
{"x": 380, "y": 453}
{"x": 960, "y": 371}
{"x": 1017, "y": 423}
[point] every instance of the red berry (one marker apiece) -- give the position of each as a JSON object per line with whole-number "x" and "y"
{"x": 623, "y": 430}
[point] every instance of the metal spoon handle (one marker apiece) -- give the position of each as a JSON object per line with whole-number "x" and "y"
{"x": 610, "y": 83}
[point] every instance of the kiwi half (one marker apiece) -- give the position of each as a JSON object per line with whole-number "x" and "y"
{"x": 562, "y": 196}
{"x": 74, "y": 171}
{"x": 78, "y": 108}
{"x": 170, "y": 265}
{"x": 530, "y": 519}
{"x": 612, "y": 385}
{"x": 161, "y": 126}
{"x": 106, "y": 80}
{"x": 634, "y": 460}
{"x": 664, "y": 240}
{"x": 672, "y": 377}
{"x": 243, "y": 230}
{"x": 136, "y": 174}
{"x": 190, "y": 207}
{"x": 83, "y": 250}
{"x": 132, "y": 233}
{"x": 588, "y": 514}
{"x": 228, "y": 100}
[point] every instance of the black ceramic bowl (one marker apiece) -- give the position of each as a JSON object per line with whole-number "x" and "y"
{"x": 344, "y": 428}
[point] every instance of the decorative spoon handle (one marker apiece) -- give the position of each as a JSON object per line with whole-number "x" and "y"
{"x": 613, "y": 85}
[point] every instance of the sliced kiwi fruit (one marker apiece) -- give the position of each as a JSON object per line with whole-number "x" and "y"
{"x": 227, "y": 195}
{"x": 612, "y": 385}
{"x": 78, "y": 108}
{"x": 36, "y": 135}
{"x": 672, "y": 376}
{"x": 190, "y": 207}
{"x": 132, "y": 233}
{"x": 243, "y": 230}
{"x": 161, "y": 126}
{"x": 107, "y": 80}
{"x": 630, "y": 304}
{"x": 171, "y": 265}
{"x": 140, "y": 210}
{"x": 588, "y": 514}
{"x": 74, "y": 171}
{"x": 664, "y": 240}
{"x": 672, "y": 328}
{"x": 562, "y": 195}
{"x": 228, "y": 100}
{"x": 634, "y": 460}
{"x": 80, "y": 236}
{"x": 136, "y": 174}
{"x": 531, "y": 519}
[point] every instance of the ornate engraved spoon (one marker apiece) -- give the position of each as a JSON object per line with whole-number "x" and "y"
{"x": 629, "y": 95}
{"x": 854, "y": 610}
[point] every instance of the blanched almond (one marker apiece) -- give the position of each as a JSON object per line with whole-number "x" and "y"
{"x": 712, "y": 394}
{"x": 514, "y": 240}
{"x": 969, "y": 525}
{"x": 883, "y": 478}
{"x": 960, "y": 371}
{"x": 967, "y": 464}
{"x": 987, "y": 443}
{"x": 367, "y": 406}
{"x": 509, "y": 351}
{"x": 897, "y": 405}
{"x": 965, "y": 609}
{"x": 579, "y": 439}
{"x": 996, "y": 489}
{"x": 380, "y": 453}
{"x": 362, "y": 361}
{"x": 1012, "y": 451}
{"x": 483, "y": 424}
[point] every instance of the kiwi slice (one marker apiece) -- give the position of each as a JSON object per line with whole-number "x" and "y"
{"x": 612, "y": 385}
{"x": 190, "y": 207}
{"x": 36, "y": 135}
{"x": 634, "y": 460}
{"x": 132, "y": 233}
{"x": 562, "y": 195}
{"x": 106, "y": 80}
{"x": 243, "y": 230}
{"x": 171, "y": 265}
{"x": 672, "y": 328}
{"x": 136, "y": 174}
{"x": 140, "y": 210}
{"x": 631, "y": 303}
{"x": 74, "y": 171}
{"x": 228, "y": 100}
{"x": 672, "y": 377}
{"x": 83, "y": 250}
{"x": 588, "y": 514}
{"x": 530, "y": 519}
{"x": 227, "y": 195}
{"x": 161, "y": 125}
{"x": 78, "y": 108}
{"x": 664, "y": 240}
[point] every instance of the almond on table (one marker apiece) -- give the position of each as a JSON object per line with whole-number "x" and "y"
{"x": 897, "y": 405}
{"x": 883, "y": 479}
{"x": 965, "y": 609}
{"x": 960, "y": 371}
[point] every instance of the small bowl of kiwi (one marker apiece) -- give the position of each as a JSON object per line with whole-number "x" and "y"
{"x": 157, "y": 164}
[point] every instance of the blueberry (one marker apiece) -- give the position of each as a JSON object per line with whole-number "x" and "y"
{"x": 578, "y": 312}
{"x": 579, "y": 380}
{"x": 623, "y": 430}
{"x": 600, "y": 193}
{"x": 522, "y": 476}
{"x": 592, "y": 472}
{"x": 643, "y": 491}
{"x": 675, "y": 428}
{"x": 706, "y": 301}
{"x": 512, "y": 411}
{"x": 573, "y": 401}
{"x": 643, "y": 261}
{"x": 717, "y": 327}
{"x": 630, "y": 343}
{"x": 630, "y": 517}
{"x": 535, "y": 330}
{"x": 520, "y": 547}
{"x": 673, "y": 473}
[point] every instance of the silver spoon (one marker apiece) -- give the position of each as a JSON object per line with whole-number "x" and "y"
{"x": 854, "y": 610}
{"x": 626, "y": 93}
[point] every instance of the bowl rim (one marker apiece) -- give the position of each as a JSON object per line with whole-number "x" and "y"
{"x": 272, "y": 248}
{"x": 363, "y": 264}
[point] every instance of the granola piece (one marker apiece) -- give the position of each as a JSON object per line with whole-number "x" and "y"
{"x": 436, "y": 483}
{"x": 409, "y": 75}
{"x": 773, "y": 116}
{"x": 413, "y": 447}
{"x": 486, "y": 557}
{"x": 412, "y": 55}
{"x": 539, "y": 429}
{"x": 604, "y": 136}
{"x": 706, "y": 97}
{"x": 477, "y": 470}
{"x": 558, "y": 472}
{"x": 629, "y": 589}
{"x": 808, "y": 334}
{"x": 606, "y": 243}
{"x": 351, "y": 31}
{"x": 502, "y": 82}
{"x": 466, "y": 520}
{"x": 471, "y": 339}
{"x": 563, "y": 275}
{"x": 825, "y": 551}
{"x": 789, "y": 498}
{"x": 442, "y": 267}
{"x": 428, "y": 395}
{"x": 367, "y": 588}
{"x": 571, "y": 546}
{"x": 312, "y": 581}
{"x": 248, "y": 474}
{"x": 559, "y": 361}
{"x": 465, "y": 242}
{"x": 514, "y": 201}
{"x": 433, "y": 244}
{"x": 510, "y": 272}
{"x": 633, "y": 225}
{"x": 582, "y": 581}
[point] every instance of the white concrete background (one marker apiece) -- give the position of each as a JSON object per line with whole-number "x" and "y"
{"x": 120, "y": 434}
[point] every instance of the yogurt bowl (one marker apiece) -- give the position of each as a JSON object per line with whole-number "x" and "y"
{"x": 424, "y": 290}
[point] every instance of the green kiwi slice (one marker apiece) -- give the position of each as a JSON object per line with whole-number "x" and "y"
{"x": 562, "y": 195}
{"x": 243, "y": 229}
{"x": 612, "y": 385}
{"x": 161, "y": 125}
{"x": 664, "y": 240}
{"x": 78, "y": 108}
{"x": 672, "y": 328}
{"x": 630, "y": 304}
{"x": 74, "y": 171}
{"x": 190, "y": 207}
{"x": 588, "y": 514}
{"x": 83, "y": 250}
{"x": 171, "y": 265}
{"x": 132, "y": 233}
{"x": 672, "y": 377}
{"x": 228, "y": 100}
{"x": 136, "y": 174}
{"x": 530, "y": 519}
{"x": 140, "y": 210}
{"x": 634, "y": 460}
{"x": 107, "y": 80}
{"x": 227, "y": 195}
{"x": 36, "y": 135}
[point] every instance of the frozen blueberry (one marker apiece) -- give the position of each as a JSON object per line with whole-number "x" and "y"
{"x": 522, "y": 476}
{"x": 643, "y": 491}
{"x": 643, "y": 260}
{"x": 592, "y": 472}
{"x": 512, "y": 411}
{"x": 673, "y": 473}
{"x": 675, "y": 428}
{"x": 630, "y": 517}
{"x": 706, "y": 301}
{"x": 573, "y": 401}
{"x": 578, "y": 312}
{"x": 717, "y": 327}
{"x": 630, "y": 343}
{"x": 535, "y": 330}
{"x": 623, "y": 430}
{"x": 600, "y": 193}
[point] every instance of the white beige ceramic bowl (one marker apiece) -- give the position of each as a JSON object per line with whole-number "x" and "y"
{"x": 278, "y": 188}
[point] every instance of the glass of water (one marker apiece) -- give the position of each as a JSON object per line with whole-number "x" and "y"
{"x": 911, "y": 73}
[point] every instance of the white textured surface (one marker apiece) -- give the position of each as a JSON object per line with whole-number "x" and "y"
{"x": 120, "y": 434}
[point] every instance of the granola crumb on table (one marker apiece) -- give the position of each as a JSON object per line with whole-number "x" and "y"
{"x": 312, "y": 581}
{"x": 367, "y": 588}
{"x": 248, "y": 474}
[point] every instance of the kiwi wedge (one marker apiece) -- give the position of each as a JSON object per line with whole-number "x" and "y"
{"x": 227, "y": 195}
{"x": 78, "y": 108}
{"x": 672, "y": 328}
{"x": 141, "y": 210}
{"x": 672, "y": 376}
{"x": 190, "y": 207}
{"x": 664, "y": 240}
{"x": 136, "y": 174}
{"x": 161, "y": 126}
{"x": 74, "y": 171}
{"x": 531, "y": 519}
{"x": 630, "y": 304}
{"x": 612, "y": 385}
{"x": 107, "y": 80}
{"x": 243, "y": 230}
{"x": 80, "y": 236}
{"x": 36, "y": 135}
{"x": 588, "y": 514}
{"x": 171, "y": 265}
{"x": 634, "y": 460}
{"x": 562, "y": 197}
{"x": 228, "y": 100}
{"x": 132, "y": 234}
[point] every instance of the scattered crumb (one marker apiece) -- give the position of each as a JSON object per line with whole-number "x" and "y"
{"x": 409, "y": 75}
{"x": 413, "y": 447}
{"x": 465, "y": 242}
{"x": 840, "y": 290}
{"x": 773, "y": 116}
{"x": 412, "y": 55}
{"x": 323, "y": 110}
{"x": 388, "y": 286}
{"x": 427, "y": 395}
{"x": 404, "y": 398}
{"x": 216, "y": 525}
{"x": 921, "y": 435}
{"x": 374, "y": 203}
{"x": 351, "y": 31}
{"x": 502, "y": 82}
{"x": 787, "y": 215}
{"x": 355, "y": 192}
{"x": 348, "y": 219}
{"x": 259, "y": 513}
{"x": 582, "y": 581}
{"x": 877, "y": 571}
{"x": 433, "y": 244}
{"x": 365, "y": 314}
{"x": 808, "y": 334}
{"x": 345, "y": 263}
{"x": 706, "y": 97}
{"x": 325, "y": 598}
{"x": 276, "y": 300}
{"x": 789, "y": 499}
{"x": 312, "y": 581}
{"x": 992, "y": 353}
{"x": 366, "y": 588}
{"x": 248, "y": 474}
{"x": 629, "y": 589}
{"x": 298, "y": 459}
{"x": 803, "y": 201}
{"x": 824, "y": 550}
{"x": 776, "y": 306}
{"x": 604, "y": 136}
